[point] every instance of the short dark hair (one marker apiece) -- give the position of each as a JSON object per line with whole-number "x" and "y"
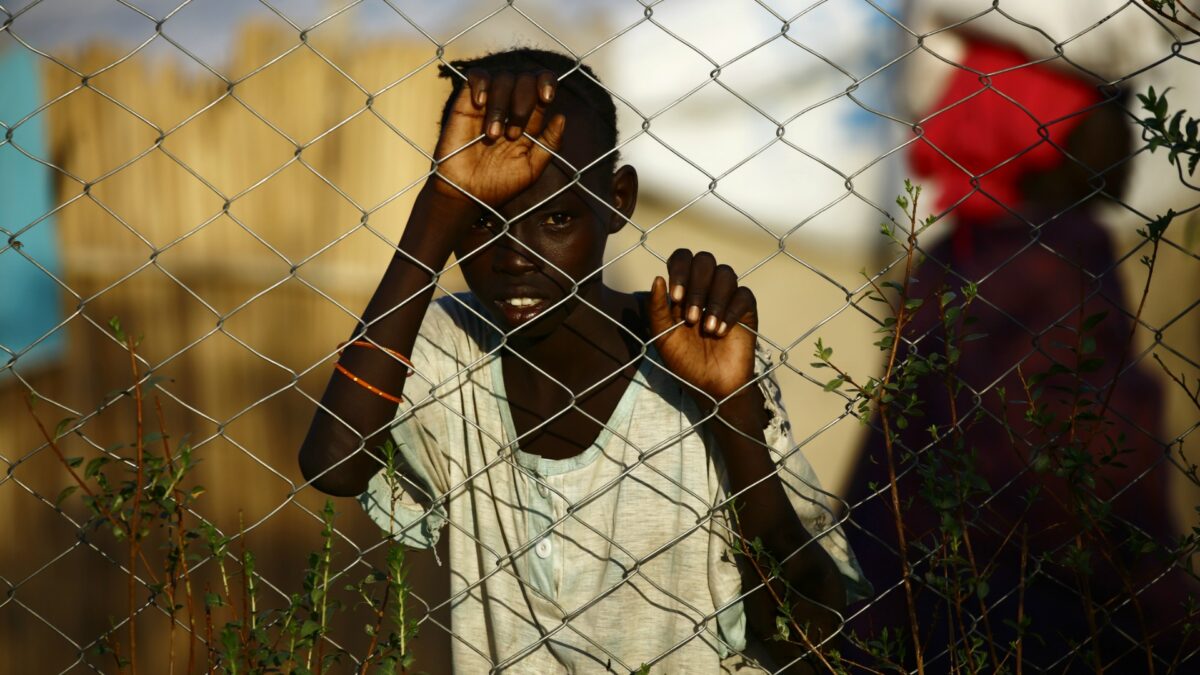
{"x": 575, "y": 79}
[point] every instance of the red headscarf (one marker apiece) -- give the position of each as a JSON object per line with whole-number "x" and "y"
{"x": 987, "y": 129}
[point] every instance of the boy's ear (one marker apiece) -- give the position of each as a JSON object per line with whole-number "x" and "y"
{"x": 624, "y": 196}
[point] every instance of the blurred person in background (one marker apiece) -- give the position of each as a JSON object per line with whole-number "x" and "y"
{"x": 1020, "y": 161}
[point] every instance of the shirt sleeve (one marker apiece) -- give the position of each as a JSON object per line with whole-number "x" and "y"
{"x": 810, "y": 501}
{"x": 405, "y": 497}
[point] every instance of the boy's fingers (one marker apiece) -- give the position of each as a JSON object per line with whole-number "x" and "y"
{"x": 547, "y": 86}
{"x": 536, "y": 118}
{"x": 659, "y": 309}
{"x": 524, "y": 98}
{"x": 704, "y": 265}
{"x": 478, "y": 81}
{"x": 743, "y": 308}
{"x": 679, "y": 270}
{"x": 498, "y": 98}
{"x": 720, "y": 292}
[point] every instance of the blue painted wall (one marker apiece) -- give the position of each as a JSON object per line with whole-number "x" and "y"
{"x": 30, "y": 304}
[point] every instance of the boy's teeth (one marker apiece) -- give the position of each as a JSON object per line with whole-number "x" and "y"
{"x": 521, "y": 302}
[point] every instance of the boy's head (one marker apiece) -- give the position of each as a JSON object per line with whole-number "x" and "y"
{"x": 543, "y": 249}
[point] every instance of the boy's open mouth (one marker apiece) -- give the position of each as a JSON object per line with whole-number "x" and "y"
{"x": 519, "y": 310}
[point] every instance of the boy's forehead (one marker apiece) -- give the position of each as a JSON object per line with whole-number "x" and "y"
{"x": 557, "y": 186}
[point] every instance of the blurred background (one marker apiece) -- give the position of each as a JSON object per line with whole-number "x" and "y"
{"x": 229, "y": 177}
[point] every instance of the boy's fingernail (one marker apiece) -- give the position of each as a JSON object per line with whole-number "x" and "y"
{"x": 548, "y": 93}
{"x": 481, "y": 98}
{"x": 722, "y": 328}
{"x": 710, "y": 324}
{"x": 495, "y": 128}
{"x": 677, "y": 293}
{"x": 693, "y": 314}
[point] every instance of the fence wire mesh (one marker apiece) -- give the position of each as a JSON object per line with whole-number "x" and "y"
{"x": 1011, "y": 506}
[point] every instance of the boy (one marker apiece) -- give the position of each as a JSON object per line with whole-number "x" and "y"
{"x": 583, "y": 444}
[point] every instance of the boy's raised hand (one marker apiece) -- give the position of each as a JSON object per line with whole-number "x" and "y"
{"x": 502, "y": 107}
{"x": 712, "y": 350}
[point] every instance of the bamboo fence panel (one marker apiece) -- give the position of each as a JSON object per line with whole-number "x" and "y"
{"x": 197, "y": 270}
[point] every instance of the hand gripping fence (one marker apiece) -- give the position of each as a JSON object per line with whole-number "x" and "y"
{"x": 1002, "y": 416}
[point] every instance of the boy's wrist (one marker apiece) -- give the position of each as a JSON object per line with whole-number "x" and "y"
{"x": 451, "y": 209}
{"x": 745, "y": 410}
{"x": 437, "y": 224}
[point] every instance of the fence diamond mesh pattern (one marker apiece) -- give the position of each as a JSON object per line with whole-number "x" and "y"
{"x": 235, "y": 212}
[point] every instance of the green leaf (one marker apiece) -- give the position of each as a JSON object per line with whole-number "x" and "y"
{"x": 94, "y": 466}
{"x": 66, "y": 492}
{"x": 1092, "y": 321}
{"x": 153, "y": 381}
{"x": 835, "y": 383}
{"x": 115, "y": 324}
{"x": 782, "y": 630}
{"x": 153, "y": 437}
{"x": 1087, "y": 345}
{"x": 1176, "y": 121}
{"x": 74, "y": 462}
{"x": 1041, "y": 463}
{"x": 60, "y": 429}
{"x": 309, "y": 628}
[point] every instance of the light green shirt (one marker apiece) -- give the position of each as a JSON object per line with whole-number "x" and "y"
{"x": 604, "y": 561}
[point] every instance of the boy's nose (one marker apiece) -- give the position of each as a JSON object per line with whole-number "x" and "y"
{"x": 510, "y": 256}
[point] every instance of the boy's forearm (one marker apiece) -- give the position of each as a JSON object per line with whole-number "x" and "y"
{"x": 765, "y": 513}
{"x": 434, "y": 227}
{"x": 349, "y": 412}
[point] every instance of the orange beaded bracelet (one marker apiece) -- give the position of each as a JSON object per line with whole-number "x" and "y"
{"x": 367, "y": 385}
{"x": 371, "y": 345}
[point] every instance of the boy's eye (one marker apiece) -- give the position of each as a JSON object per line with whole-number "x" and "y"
{"x": 557, "y": 220}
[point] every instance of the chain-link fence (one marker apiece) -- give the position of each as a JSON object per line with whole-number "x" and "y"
{"x": 997, "y": 393}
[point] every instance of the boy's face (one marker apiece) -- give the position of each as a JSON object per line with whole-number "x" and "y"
{"x": 556, "y": 242}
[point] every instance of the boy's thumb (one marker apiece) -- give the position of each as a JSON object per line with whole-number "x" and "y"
{"x": 659, "y": 308}
{"x": 551, "y": 138}
{"x": 552, "y": 135}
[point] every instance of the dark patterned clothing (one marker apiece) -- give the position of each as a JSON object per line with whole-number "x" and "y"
{"x": 1031, "y": 286}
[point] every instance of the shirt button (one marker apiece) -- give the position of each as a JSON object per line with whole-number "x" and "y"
{"x": 543, "y": 548}
{"x": 543, "y": 490}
